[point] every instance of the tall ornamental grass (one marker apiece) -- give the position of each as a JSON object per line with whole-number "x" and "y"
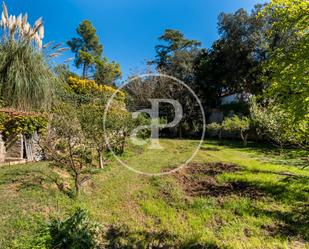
{"x": 25, "y": 78}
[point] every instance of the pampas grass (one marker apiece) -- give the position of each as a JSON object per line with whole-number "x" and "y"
{"x": 19, "y": 28}
{"x": 26, "y": 81}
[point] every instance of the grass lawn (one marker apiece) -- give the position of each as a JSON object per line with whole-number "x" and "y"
{"x": 228, "y": 197}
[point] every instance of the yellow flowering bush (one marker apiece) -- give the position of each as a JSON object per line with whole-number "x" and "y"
{"x": 85, "y": 86}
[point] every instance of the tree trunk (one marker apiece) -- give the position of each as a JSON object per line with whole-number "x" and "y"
{"x": 85, "y": 70}
{"x": 123, "y": 144}
{"x": 281, "y": 149}
{"x": 220, "y": 137}
{"x": 77, "y": 185}
{"x": 101, "y": 163}
{"x": 244, "y": 137}
{"x": 246, "y": 140}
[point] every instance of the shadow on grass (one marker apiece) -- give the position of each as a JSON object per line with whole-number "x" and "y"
{"x": 122, "y": 237}
{"x": 292, "y": 190}
{"x": 294, "y": 223}
{"x": 270, "y": 153}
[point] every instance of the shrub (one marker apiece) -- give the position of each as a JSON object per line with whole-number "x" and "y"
{"x": 75, "y": 232}
{"x": 280, "y": 126}
{"x": 85, "y": 86}
{"x": 27, "y": 125}
{"x": 215, "y": 127}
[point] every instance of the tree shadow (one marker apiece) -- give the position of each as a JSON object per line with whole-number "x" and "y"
{"x": 120, "y": 237}
{"x": 292, "y": 190}
{"x": 294, "y": 223}
{"x": 272, "y": 154}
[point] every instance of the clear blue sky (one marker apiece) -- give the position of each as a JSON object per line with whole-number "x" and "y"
{"x": 129, "y": 29}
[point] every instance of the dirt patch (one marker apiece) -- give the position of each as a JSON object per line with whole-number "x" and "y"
{"x": 199, "y": 179}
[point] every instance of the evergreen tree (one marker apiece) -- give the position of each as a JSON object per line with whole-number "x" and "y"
{"x": 87, "y": 47}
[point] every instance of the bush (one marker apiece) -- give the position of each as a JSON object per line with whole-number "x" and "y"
{"x": 280, "y": 126}
{"x": 76, "y": 232}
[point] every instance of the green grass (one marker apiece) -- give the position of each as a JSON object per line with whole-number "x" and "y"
{"x": 150, "y": 207}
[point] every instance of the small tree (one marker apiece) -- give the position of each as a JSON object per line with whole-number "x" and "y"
{"x": 216, "y": 127}
{"x": 91, "y": 117}
{"x": 118, "y": 124}
{"x": 237, "y": 124}
{"x": 64, "y": 144}
{"x": 273, "y": 122}
{"x": 107, "y": 73}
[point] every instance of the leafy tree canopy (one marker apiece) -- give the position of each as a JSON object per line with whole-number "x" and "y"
{"x": 175, "y": 44}
{"x": 289, "y": 62}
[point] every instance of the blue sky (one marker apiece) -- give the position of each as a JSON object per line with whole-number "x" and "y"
{"x": 129, "y": 29}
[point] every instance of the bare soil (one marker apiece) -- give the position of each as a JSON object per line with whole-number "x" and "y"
{"x": 200, "y": 179}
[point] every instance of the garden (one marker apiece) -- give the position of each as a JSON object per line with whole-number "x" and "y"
{"x": 72, "y": 177}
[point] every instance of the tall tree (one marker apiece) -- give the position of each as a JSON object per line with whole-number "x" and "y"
{"x": 237, "y": 48}
{"x": 176, "y": 54}
{"x": 289, "y": 61}
{"x": 234, "y": 63}
{"x": 87, "y": 47}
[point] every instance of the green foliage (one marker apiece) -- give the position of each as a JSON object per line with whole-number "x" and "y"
{"x": 26, "y": 125}
{"x": 233, "y": 64}
{"x": 91, "y": 118}
{"x": 107, "y": 73}
{"x": 166, "y": 55}
{"x": 3, "y": 118}
{"x": 289, "y": 61}
{"x": 75, "y": 232}
{"x": 236, "y": 123}
{"x": 241, "y": 125}
{"x": 233, "y": 124}
{"x": 214, "y": 126}
{"x": 26, "y": 81}
{"x": 65, "y": 146}
{"x": 175, "y": 56}
{"x": 118, "y": 124}
{"x": 279, "y": 125}
{"x": 88, "y": 53}
{"x": 87, "y": 46}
